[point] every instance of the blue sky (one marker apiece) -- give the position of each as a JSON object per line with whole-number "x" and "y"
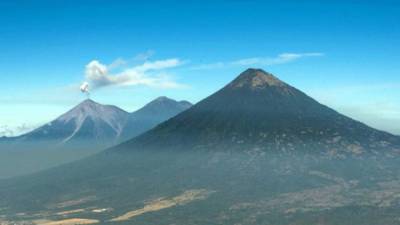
{"x": 343, "y": 53}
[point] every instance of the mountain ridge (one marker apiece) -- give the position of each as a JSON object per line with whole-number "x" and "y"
{"x": 151, "y": 114}
{"x": 84, "y": 130}
{"x": 88, "y": 119}
{"x": 103, "y": 125}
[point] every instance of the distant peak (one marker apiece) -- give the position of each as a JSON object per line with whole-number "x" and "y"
{"x": 90, "y": 108}
{"x": 184, "y": 102}
{"x": 165, "y": 102}
{"x": 162, "y": 99}
{"x": 88, "y": 102}
{"x": 256, "y": 78}
{"x": 90, "y": 105}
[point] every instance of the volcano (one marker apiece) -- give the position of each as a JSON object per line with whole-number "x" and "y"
{"x": 257, "y": 110}
{"x": 258, "y": 151}
{"x": 88, "y": 121}
{"x": 93, "y": 125}
{"x": 150, "y": 115}
{"x": 84, "y": 130}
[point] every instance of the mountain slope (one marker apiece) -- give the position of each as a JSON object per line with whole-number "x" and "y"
{"x": 88, "y": 120}
{"x": 257, "y": 110}
{"x": 93, "y": 125}
{"x": 84, "y": 130}
{"x": 252, "y": 153}
{"x": 153, "y": 113}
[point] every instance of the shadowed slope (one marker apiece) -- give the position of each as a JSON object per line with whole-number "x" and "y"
{"x": 153, "y": 113}
{"x": 257, "y": 110}
{"x": 264, "y": 152}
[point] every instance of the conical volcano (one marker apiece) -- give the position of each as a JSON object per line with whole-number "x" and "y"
{"x": 93, "y": 125}
{"x": 257, "y": 110}
{"x": 86, "y": 129}
{"x": 88, "y": 123}
{"x": 258, "y": 151}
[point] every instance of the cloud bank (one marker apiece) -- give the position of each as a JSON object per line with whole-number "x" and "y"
{"x": 149, "y": 73}
{"x": 153, "y": 73}
{"x": 8, "y": 131}
{"x": 261, "y": 61}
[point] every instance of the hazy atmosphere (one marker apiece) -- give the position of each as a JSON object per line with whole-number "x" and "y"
{"x": 199, "y": 112}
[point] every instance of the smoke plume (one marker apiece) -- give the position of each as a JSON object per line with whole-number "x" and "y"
{"x": 85, "y": 88}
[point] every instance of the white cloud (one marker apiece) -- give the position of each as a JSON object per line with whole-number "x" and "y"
{"x": 262, "y": 61}
{"x": 150, "y": 73}
{"x": 6, "y": 131}
{"x": 117, "y": 63}
{"x": 85, "y": 88}
{"x": 144, "y": 56}
{"x": 95, "y": 70}
{"x": 157, "y": 65}
{"x": 9, "y": 131}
